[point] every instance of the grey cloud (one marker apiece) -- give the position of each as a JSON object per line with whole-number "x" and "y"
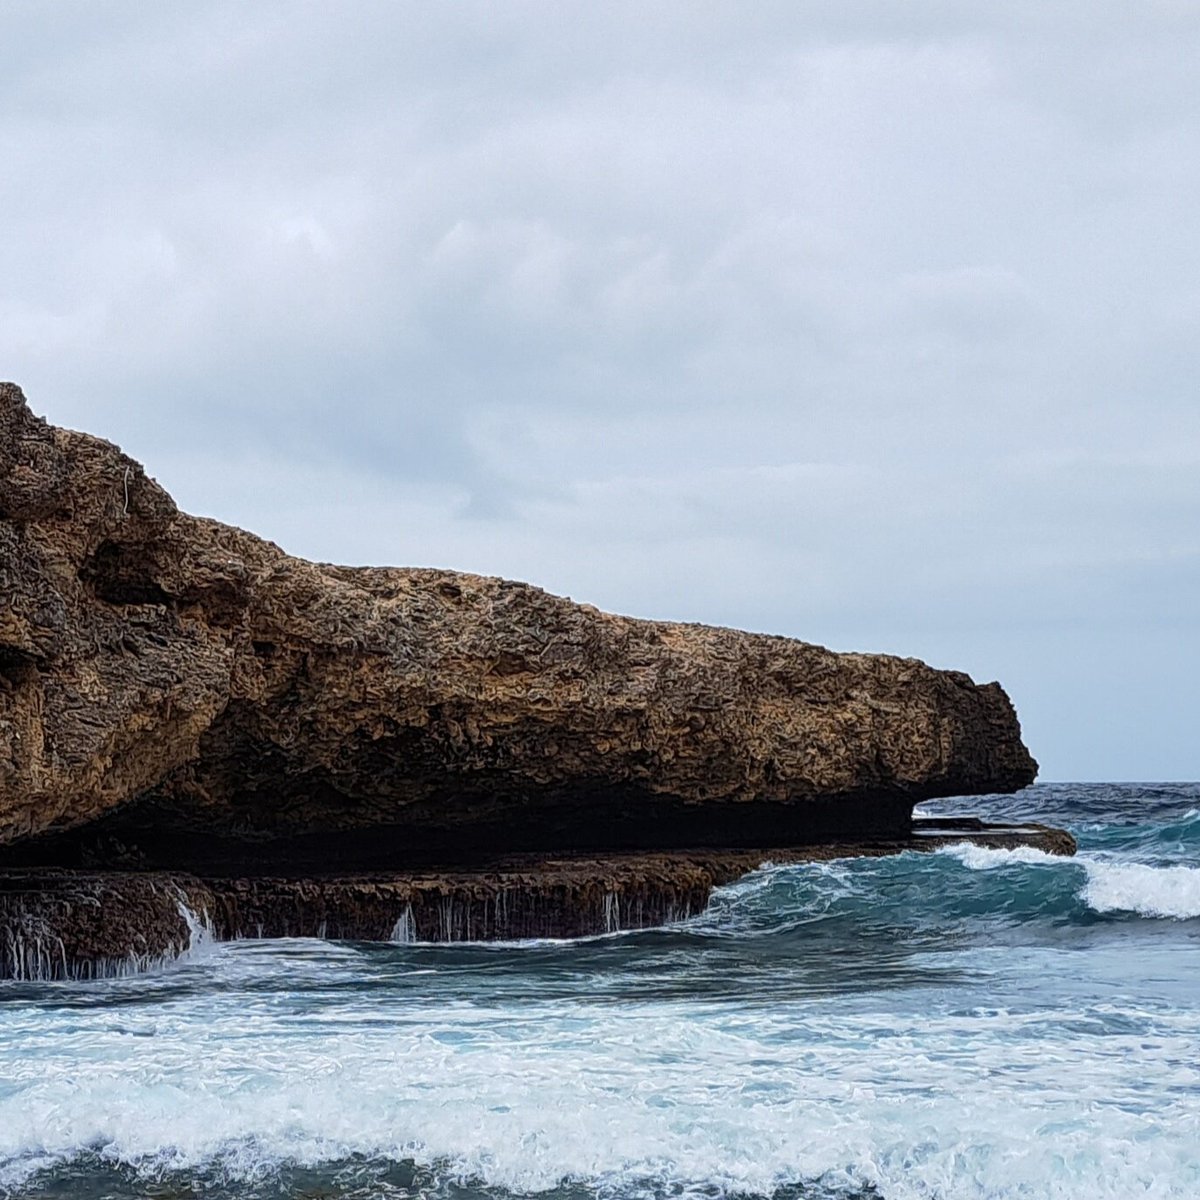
{"x": 875, "y": 324}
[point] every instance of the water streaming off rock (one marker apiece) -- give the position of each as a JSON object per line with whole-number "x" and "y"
{"x": 961, "y": 1025}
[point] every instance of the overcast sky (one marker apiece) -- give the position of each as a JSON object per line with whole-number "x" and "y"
{"x": 873, "y": 324}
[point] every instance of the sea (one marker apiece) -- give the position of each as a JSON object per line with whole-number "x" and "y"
{"x": 956, "y": 1025}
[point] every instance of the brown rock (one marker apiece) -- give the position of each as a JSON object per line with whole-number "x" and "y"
{"x": 179, "y": 693}
{"x": 57, "y": 924}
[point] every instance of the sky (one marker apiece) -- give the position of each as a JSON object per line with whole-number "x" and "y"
{"x": 876, "y": 325}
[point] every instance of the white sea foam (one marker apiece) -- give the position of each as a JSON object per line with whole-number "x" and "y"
{"x": 986, "y": 858}
{"x": 681, "y": 1096}
{"x": 1171, "y": 891}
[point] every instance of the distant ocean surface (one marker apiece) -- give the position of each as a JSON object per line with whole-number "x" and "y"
{"x": 952, "y": 1026}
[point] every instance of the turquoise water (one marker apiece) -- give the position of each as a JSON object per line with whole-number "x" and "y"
{"x": 957, "y": 1025}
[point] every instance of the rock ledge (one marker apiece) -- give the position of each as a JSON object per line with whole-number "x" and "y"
{"x": 57, "y": 924}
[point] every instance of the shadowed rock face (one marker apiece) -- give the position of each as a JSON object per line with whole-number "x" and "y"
{"x": 177, "y": 693}
{"x": 57, "y": 924}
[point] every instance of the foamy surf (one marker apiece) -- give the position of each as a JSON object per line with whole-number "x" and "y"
{"x": 655, "y": 1099}
{"x": 1169, "y": 892}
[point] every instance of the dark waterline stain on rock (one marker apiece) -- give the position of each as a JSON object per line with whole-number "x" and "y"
{"x": 59, "y": 924}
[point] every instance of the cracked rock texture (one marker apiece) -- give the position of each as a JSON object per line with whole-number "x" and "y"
{"x": 175, "y": 692}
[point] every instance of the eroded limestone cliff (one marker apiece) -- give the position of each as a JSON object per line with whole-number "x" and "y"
{"x": 177, "y": 693}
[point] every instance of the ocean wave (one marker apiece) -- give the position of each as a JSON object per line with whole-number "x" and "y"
{"x": 855, "y": 897}
{"x": 1170, "y": 892}
{"x": 1165, "y": 841}
{"x": 937, "y": 893}
{"x": 1145, "y": 890}
{"x": 915, "y": 1027}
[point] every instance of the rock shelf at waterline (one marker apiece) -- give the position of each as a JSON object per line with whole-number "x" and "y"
{"x": 57, "y": 924}
{"x": 180, "y": 699}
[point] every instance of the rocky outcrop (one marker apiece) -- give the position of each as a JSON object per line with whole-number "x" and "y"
{"x": 179, "y": 694}
{"x": 58, "y": 924}
{"x": 203, "y": 736}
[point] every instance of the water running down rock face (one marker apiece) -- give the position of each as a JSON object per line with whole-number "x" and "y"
{"x": 179, "y": 697}
{"x": 57, "y": 924}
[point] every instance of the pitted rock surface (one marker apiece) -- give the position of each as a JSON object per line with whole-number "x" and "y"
{"x": 175, "y": 691}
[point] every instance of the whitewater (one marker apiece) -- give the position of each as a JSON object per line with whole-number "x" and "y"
{"x": 949, "y": 1026}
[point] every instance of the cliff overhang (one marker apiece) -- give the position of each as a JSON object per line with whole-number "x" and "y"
{"x": 179, "y": 695}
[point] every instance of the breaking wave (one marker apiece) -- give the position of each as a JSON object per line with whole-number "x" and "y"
{"x": 955, "y": 886}
{"x": 1169, "y": 892}
{"x": 1172, "y": 892}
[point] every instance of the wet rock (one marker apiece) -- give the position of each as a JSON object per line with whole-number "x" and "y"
{"x": 57, "y": 924}
{"x": 67, "y": 925}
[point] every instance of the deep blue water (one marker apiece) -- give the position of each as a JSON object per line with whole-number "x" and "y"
{"x": 958, "y": 1025}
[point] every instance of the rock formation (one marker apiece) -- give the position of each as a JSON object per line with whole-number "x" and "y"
{"x": 57, "y": 924}
{"x": 171, "y": 677}
{"x": 179, "y": 695}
